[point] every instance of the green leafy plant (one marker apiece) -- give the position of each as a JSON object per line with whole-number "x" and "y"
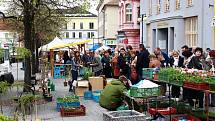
{"x": 23, "y": 52}
{"x": 171, "y": 75}
{"x": 1, "y": 53}
{"x": 5, "y": 118}
{"x": 4, "y": 86}
{"x": 25, "y": 100}
{"x": 88, "y": 73}
{"x": 68, "y": 99}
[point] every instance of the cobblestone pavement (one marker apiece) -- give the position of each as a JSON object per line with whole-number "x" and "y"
{"x": 47, "y": 111}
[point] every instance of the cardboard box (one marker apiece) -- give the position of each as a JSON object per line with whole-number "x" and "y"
{"x": 83, "y": 83}
{"x": 79, "y": 91}
{"x": 97, "y": 83}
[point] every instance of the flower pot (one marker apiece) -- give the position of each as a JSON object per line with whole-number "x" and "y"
{"x": 48, "y": 98}
{"x": 65, "y": 83}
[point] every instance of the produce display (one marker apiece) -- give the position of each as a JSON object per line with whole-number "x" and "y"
{"x": 193, "y": 78}
{"x": 171, "y": 75}
{"x": 68, "y": 99}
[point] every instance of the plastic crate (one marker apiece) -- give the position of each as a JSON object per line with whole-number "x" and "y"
{"x": 57, "y": 73}
{"x": 96, "y": 96}
{"x": 163, "y": 111}
{"x": 88, "y": 95}
{"x": 80, "y": 111}
{"x": 163, "y": 77}
{"x": 186, "y": 117}
{"x": 197, "y": 86}
{"x": 73, "y": 104}
{"x": 68, "y": 104}
{"x": 147, "y": 73}
{"x": 144, "y": 92}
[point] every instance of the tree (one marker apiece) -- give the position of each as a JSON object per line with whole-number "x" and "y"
{"x": 31, "y": 13}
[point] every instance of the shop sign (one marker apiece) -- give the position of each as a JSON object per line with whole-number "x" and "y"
{"x": 110, "y": 42}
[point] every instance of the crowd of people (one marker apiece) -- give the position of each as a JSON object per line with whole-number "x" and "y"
{"x": 129, "y": 63}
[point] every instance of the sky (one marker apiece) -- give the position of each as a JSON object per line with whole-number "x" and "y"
{"x": 94, "y": 4}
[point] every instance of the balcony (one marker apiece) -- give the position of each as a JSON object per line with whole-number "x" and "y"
{"x": 130, "y": 25}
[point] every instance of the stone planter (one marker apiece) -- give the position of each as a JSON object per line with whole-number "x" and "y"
{"x": 125, "y": 115}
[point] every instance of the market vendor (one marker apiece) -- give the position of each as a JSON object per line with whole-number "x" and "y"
{"x": 112, "y": 96}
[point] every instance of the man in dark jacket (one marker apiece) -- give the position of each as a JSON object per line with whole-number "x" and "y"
{"x": 142, "y": 61}
{"x": 123, "y": 63}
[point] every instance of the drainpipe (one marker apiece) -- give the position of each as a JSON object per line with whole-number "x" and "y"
{"x": 202, "y": 38}
{"x": 214, "y": 27}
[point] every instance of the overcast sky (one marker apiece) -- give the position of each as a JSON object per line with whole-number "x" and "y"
{"x": 94, "y": 3}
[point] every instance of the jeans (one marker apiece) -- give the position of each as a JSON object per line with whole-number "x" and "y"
{"x": 74, "y": 77}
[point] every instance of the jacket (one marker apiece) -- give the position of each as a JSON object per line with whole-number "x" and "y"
{"x": 195, "y": 63}
{"x": 75, "y": 64}
{"x": 143, "y": 59}
{"x": 180, "y": 61}
{"x": 112, "y": 96}
{"x": 122, "y": 62}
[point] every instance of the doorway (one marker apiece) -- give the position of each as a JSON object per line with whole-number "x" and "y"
{"x": 162, "y": 39}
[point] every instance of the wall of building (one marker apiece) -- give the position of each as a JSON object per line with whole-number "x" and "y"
{"x": 111, "y": 21}
{"x": 175, "y": 18}
{"x": 84, "y": 31}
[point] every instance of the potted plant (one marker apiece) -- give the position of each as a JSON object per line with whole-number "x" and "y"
{"x": 3, "y": 89}
{"x": 25, "y": 103}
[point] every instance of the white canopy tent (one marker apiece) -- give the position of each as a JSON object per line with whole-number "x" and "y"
{"x": 53, "y": 43}
{"x": 103, "y": 47}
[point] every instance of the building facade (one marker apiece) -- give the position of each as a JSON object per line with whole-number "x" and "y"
{"x": 80, "y": 27}
{"x": 8, "y": 37}
{"x": 129, "y": 28}
{"x": 170, "y": 24}
{"x": 108, "y": 21}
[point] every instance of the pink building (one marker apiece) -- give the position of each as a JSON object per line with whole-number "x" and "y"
{"x": 129, "y": 27}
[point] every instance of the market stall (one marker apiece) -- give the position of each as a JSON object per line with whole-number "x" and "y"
{"x": 201, "y": 81}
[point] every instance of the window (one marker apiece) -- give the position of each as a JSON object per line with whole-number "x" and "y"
{"x": 6, "y": 35}
{"x": 191, "y": 31}
{"x": 92, "y": 34}
{"x": 73, "y": 25}
{"x": 129, "y": 13}
{"x": 158, "y": 6}
{"x": 150, "y": 7}
{"x": 91, "y": 25}
{"x": 167, "y": 5}
{"x": 80, "y": 35}
{"x": 73, "y": 35}
{"x": 65, "y": 26}
{"x": 177, "y": 5}
{"x": 81, "y": 25}
{"x": 88, "y": 34}
{"x": 67, "y": 34}
{"x": 189, "y": 3}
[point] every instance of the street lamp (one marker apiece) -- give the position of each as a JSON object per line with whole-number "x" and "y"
{"x": 93, "y": 42}
{"x": 143, "y": 19}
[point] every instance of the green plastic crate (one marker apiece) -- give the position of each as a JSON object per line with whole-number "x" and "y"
{"x": 144, "y": 92}
{"x": 163, "y": 77}
{"x": 147, "y": 73}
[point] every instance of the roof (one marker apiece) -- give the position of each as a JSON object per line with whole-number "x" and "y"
{"x": 76, "y": 12}
{"x": 113, "y": 2}
{"x": 109, "y": 3}
{"x": 4, "y": 25}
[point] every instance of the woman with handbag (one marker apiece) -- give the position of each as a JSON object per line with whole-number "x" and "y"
{"x": 116, "y": 70}
{"x": 76, "y": 63}
{"x": 133, "y": 61}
